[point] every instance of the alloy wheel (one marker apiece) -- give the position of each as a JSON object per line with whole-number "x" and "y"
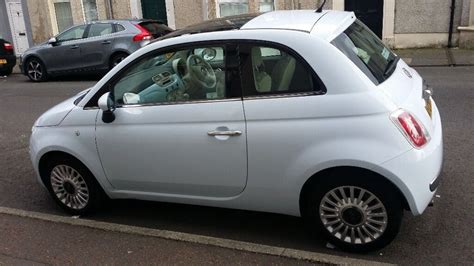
{"x": 69, "y": 187}
{"x": 353, "y": 215}
{"x": 35, "y": 70}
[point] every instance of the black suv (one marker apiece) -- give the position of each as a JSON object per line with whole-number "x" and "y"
{"x": 7, "y": 58}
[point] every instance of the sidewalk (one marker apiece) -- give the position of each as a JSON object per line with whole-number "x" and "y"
{"x": 437, "y": 57}
{"x": 26, "y": 241}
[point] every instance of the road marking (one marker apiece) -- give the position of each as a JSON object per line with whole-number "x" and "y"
{"x": 192, "y": 238}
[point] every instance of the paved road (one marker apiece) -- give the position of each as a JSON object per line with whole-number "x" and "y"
{"x": 443, "y": 235}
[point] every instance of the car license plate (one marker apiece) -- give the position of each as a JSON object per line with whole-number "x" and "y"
{"x": 3, "y": 61}
{"x": 429, "y": 107}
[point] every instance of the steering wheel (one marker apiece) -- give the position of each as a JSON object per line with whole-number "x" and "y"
{"x": 201, "y": 72}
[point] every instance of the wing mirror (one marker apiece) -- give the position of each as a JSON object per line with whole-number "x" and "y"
{"x": 106, "y": 104}
{"x": 53, "y": 41}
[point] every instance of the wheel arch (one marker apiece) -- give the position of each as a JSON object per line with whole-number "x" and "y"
{"x": 45, "y": 158}
{"x": 117, "y": 52}
{"x": 321, "y": 176}
{"x": 37, "y": 56}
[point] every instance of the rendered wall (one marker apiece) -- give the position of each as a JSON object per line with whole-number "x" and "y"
{"x": 425, "y": 16}
{"x": 40, "y": 21}
{"x": 188, "y": 12}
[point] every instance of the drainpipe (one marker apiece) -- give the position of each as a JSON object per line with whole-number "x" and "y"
{"x": 451, "y": 22}
{"x": 110, "y": 11}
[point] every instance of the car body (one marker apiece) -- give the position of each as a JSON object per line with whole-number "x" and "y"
{"x": 279, "y": 112}
{"x": 92, "y": 47}
{"x": 7, "y": 58}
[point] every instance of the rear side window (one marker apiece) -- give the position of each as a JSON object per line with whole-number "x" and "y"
{"x": 119, "y": 27}
{"x": 100, "y": 29}
{"x": 273, "y": 70}
{"x": 367, "y": 52}
{"x": 156, "y": 29}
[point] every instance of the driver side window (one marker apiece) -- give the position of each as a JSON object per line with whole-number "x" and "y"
{"x": 185, "y": 75}
{"x": 72, "y": 34}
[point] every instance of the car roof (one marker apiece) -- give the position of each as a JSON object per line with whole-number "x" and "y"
{"x": 326, "y": 24}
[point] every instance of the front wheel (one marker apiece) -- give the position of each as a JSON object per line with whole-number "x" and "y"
{"x": 72, "y": 186}
{"x": 357, "y": 214}
{"x": 35, "y": 70}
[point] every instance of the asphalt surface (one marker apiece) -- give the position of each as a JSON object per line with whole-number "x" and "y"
{"x": 442, "y": 235}
{"x": 72, "y": 245}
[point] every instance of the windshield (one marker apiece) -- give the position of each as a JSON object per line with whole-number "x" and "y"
{"x": 367, "y": 51}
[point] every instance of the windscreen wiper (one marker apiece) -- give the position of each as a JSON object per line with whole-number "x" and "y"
{"x": 392, "y": 63}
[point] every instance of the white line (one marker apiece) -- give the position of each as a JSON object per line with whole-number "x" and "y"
{"x": 192, "y": 238}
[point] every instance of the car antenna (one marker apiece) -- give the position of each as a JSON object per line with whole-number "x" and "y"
{"x": 320, "y": 9}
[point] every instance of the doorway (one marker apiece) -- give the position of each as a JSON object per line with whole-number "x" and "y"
{"x": 17, "y": 25}
{"x": 370, "y": 12}
{"x": 155, "y": 9}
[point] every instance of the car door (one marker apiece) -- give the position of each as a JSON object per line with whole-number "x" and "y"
{"x": 171, "y": 133}
{"x": 96, "y": 48}
{"x": 65, "y": 53}
{"x": 281, "y": 96}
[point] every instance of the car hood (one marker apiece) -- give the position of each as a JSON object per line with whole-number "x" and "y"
{"x": 54, "y": 116}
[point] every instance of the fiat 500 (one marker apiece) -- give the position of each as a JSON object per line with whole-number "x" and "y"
{"x": 300, "y": 113}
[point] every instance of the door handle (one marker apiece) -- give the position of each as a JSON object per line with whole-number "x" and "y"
{"x": 106, "y": 42}
{"x": 74, "y": 47}
{"x": 231, "y": 133}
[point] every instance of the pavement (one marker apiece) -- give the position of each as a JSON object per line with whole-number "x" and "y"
{"x": 437, "y": 57}
{"x": 442, "y": 235}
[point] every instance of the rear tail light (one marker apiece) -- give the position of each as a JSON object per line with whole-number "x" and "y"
{"x": 411, "y": 128}
{"x": 8, "y": 46}
{"x": 143, "y": 35}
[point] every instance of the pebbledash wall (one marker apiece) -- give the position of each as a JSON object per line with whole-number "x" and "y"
{"x": 406, "y": 23}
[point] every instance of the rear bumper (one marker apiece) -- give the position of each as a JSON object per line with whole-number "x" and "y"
{"x": 11, "y": 61}
{"x": 418, "y": 170}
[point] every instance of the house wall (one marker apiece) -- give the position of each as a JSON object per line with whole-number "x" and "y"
{"x": 40, "y": 20}
{"x": 425, "y": 23}
{"x": 188, "y": 12}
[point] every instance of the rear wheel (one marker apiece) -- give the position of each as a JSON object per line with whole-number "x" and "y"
{"x": 358, "y": 214}
{"x": 72, "y": 186}
{"x": 6, "y": 72}
{"x": 35, "y": 70}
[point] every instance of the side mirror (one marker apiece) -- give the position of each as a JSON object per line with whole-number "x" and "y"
{"x": 106, "y": 105}
{"x": 53, "y": 41}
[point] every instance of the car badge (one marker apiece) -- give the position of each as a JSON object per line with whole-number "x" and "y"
{"x": 407, "y": 73}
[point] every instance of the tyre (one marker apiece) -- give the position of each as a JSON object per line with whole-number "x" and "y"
{"x": 359, "y": 213}
{"x": 6, "y": 72}
{"x": 116, "y": 59}
{"x": 36, "y": 70}
{"x": 73, "y": 186}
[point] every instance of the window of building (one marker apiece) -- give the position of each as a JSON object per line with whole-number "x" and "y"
{"x": 233, "y": 7}
{"x": 267, "y": 5}
{"x": 90, "y": 10}
{"x": 63, "y": 13}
